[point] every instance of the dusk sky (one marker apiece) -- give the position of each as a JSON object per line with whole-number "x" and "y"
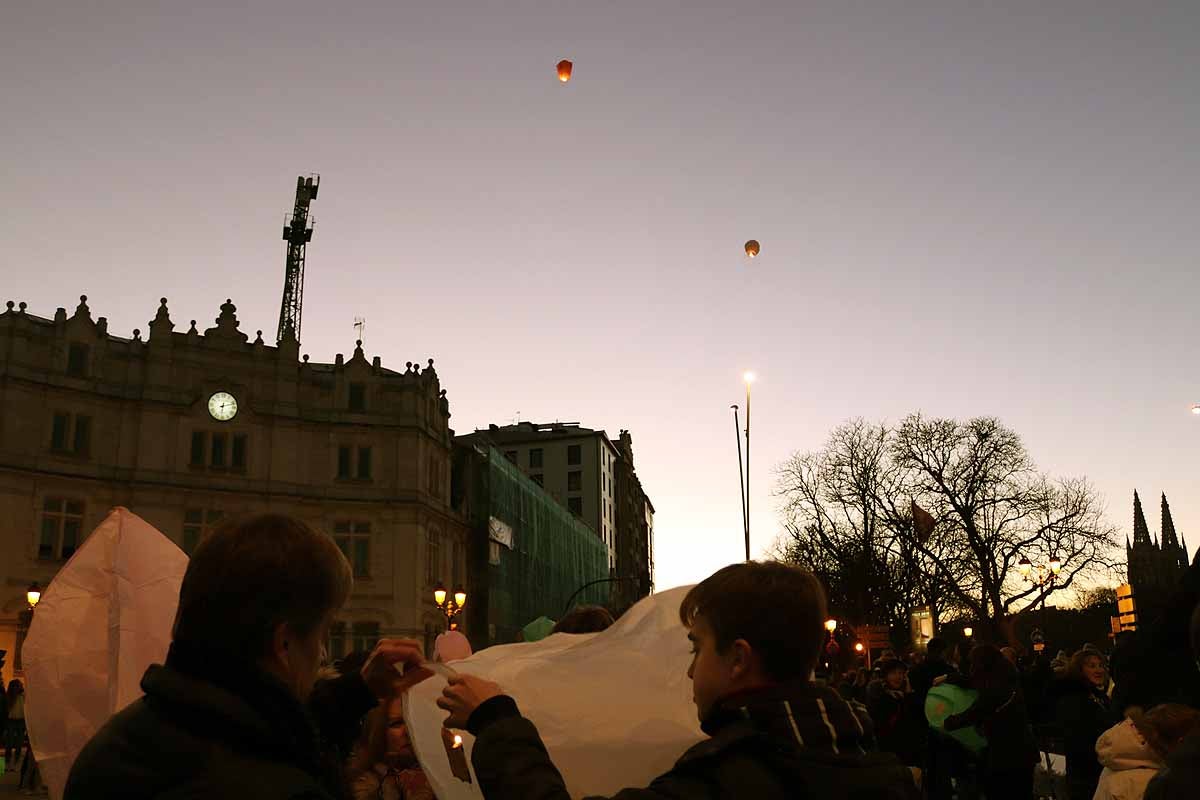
{"x": 964, "y": 208}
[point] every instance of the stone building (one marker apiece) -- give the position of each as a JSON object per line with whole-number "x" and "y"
{"x": 594, "y": 478}
{"x": 189, "y": 428}
{"x": 1155, "y": 565}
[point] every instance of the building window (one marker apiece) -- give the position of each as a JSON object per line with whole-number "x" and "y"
{"x": 58, "y": 436}
{"x": 347, "y": 461}
{"x": 511, "y": 455}
{"x": 354, "y": 540}
{"x": 455, "y": 566}
{"x": 535, "y": 458}
{"x": 575, "y": 481}
{"x": 575, "y": 506}
{"x": 574, "y": 454}
{"x": 358, "y": 397}
{"x": 83, "y": 434}
{"x": 433, "y": 556}
{"x": 197, "y": 525}
{"x": 77, "y": 360}
{"x": 62, "y": 522}
{"x": 217, "y": 451}
{"x": 66, "y": 437}
{"x": 538, "y": 479}
{"x": 238, "y": 459}
{"x": 197, "y": 459}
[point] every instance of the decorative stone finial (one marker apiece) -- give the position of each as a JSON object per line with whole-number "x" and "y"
{"x": 82, "y": 309}
{"x": 258, "y": 339}
{"x": 60, "y": 313}
{"x": 10, "y": 305}
{"x": 137, "y": 335}
{"x": 407, "y": 367}
{"x": 193, "y": 328}
{"x": 102, "y": 326}
{"x": 227, "y": 324}
{"x": 21, "y": 306}
{"x": 161, "y": 325}
{"x": 306, "y": 358}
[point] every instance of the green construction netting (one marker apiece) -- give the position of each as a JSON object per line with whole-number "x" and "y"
{"x": 553, "y": 553}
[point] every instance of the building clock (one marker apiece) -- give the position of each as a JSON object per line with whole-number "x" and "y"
{"x": 222, "y": 406}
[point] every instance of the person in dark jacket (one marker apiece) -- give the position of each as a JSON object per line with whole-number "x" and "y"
{"x": 231, "y": 714}
{"x": 899, "y": 720}
{"x": 922, "y": 676}
{"x": 773, "y": 732}
{"x": 1000, "y": 714}
{"x": 1082, "y": 714}
{"x": 1181, "y": 777}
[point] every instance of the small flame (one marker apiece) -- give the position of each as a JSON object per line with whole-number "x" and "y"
{"x": 457, "y": 741}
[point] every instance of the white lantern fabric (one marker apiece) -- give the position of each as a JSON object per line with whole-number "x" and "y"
{"x": 613, "y": 708}
{"x": 101, "y": 622}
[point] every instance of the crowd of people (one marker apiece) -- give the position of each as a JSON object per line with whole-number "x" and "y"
{"x": 1113, "y": 746}
{"x": 244, "y": 706}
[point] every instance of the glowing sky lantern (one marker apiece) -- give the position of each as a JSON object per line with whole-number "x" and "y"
{"x": 564, "y": 70}
{"x": 752, "y": 248}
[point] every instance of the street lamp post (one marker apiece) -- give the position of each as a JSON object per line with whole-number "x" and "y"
{"x": 748, "y": 377}
{"x": 449, "y": 605}
{"x": 737, "y": 436}
{"x": 1042, "y": 575}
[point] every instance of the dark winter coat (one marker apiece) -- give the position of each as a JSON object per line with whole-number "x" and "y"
{"x": 1181, "y": 777}
{"x": 1083, "y": 713}
{"x": 900, "y": 725}
{"x": 1001, "y": 716}
{"x": 791, "y": 741}
{"x": 203, "y": 730}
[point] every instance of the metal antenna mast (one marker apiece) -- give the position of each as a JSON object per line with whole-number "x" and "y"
{"x": 297, "y": 234}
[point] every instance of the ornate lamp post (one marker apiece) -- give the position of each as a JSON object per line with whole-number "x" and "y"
{"x": 450, "y": 606}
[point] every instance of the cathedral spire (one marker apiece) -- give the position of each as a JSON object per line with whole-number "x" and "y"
{"x": 1170, "y": 542}
{"x": 1141, "y": 533}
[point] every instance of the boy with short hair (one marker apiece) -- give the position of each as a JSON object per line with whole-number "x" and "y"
{"x": 756, "y": 631}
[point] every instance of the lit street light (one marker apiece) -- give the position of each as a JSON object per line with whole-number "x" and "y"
{"x": 449, "y": 607}
{"x": 831, "y": 625}
{"x": 34, "y": 595}
{"x": 968, "y": 632}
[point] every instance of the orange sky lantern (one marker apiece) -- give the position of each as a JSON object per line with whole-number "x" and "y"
{"x": 752, "y": 248}
{"x": 564, "y": 70}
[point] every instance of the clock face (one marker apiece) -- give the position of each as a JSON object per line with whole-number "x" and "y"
{"x": 222, "y": 406}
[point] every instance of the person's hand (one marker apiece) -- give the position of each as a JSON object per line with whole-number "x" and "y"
{"x": 380, "y": 670}
{"x": 462, "y": 695}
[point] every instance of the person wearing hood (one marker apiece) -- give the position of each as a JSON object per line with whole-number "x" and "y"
{"x": 773, "y": 733}
{"x": 1134, "y": 750}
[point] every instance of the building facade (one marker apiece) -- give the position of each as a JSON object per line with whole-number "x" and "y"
{"x": 529, "y": 555}
{"x": 187, "y": 429}
{"x": 634, "y": 532}
{"x": 594, "y": 478}
{"x": 575, "y": 465}
{"x": 1155, "y": 566}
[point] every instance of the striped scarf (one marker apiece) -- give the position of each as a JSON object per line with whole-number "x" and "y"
{"x": 801, "y": 714}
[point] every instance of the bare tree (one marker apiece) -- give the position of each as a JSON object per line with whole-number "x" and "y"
{"x": 843, "y": 521}
{"x": 847, "y": 514}
{"x": 997, "y": 509}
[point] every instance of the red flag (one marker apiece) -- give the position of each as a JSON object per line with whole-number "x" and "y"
{"x": 923, "y": 523}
